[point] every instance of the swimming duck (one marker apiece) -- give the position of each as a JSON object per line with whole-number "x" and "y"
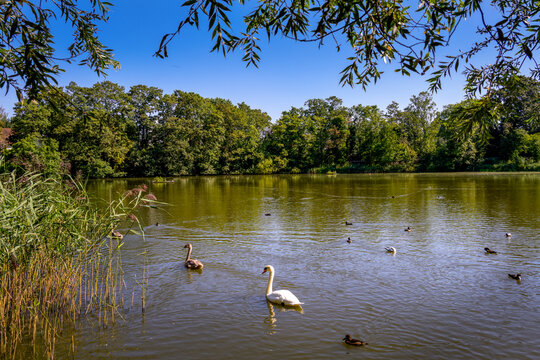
{"x": 516, "y": 276}
{"x": 489, "y": 251}
{"x": 192, "y": 263}
{"x": 116, "y": 234}
{"x": 350, "y": 341}
{"x": 267, "y": 214}
{"x": 508, "y": 235}
{"x": 348, "y": 223}
{"x": 349, "y": 240}
{"x": 408, "y": 228}
{"x": 283, "y": 297}
{"x": 391, "y": 249}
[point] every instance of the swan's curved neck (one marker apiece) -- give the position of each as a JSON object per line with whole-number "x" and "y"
{"x": 270, "y": 281}
{"x": 188, "y": 253}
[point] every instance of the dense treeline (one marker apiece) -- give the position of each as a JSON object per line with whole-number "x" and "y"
{"x": 104, "y": 131}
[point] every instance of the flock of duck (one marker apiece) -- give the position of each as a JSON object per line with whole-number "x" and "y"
{"x": 489, "y": 251}
{"x": 393, "y": 251}
{"x": 287, "y": 298}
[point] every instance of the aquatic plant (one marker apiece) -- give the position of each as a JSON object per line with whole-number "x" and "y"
{"x": 58, "y": 261}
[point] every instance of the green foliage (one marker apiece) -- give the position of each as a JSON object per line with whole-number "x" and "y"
{"x": 36, "y": 154}
{"x": 103, "y": 131}
{"x": 519, "y": 103}
{"x": 455, "y": 151}
{"x": 145, "y": 102}
{"x": 96, "y": 168}
{"x": 143, "y": 162}
{"x": 404, "y": 34}
{"x": 476, "y": 116}
{"x": 58, "y": 261}
{"x": 379, "y": 35}
{"x": 534, "y": 147}
{"x": 43, "y": 213}
{"x": 415, "y": 125}
{"x": 376, "y": 143}
{"x": 310, "y": 137}
{"x": 513, "y": 101}
{"x": 31, "y": 118}
{"x": 91, "y": 127}
{"x": 334, "y": 137}
{"x": 187, "y": 134}
{"x": 37, "y": 212}
{"x": 518, "y": 144}
{"x": 202, "y": 130}
{"x": 28, "y": 60}
{"x": 271, "y": 165}
{"x": 291, "y": 139}
{"x": 239, "y": 151}
{"x": 171, "y": 147}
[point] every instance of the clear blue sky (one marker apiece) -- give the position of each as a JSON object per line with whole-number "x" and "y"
{"x": 289, "y": 73}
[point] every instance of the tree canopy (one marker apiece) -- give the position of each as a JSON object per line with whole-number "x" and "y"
{"x": 104, "y": 131}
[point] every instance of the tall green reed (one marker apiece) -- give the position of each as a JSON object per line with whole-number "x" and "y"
{"x": 58, "y": 258}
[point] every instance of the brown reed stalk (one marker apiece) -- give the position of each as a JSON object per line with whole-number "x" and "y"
{"x": 49, "y": 277}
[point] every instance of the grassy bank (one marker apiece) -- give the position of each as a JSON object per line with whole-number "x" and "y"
{"x": 58, "y": 259}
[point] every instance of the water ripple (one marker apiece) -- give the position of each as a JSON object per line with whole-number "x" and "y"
{"x": 438, "y": 297}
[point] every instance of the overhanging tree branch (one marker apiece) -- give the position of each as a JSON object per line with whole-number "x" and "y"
{"x": 407, "y": 33}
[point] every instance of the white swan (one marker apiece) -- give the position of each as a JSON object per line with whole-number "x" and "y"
{"x": 283, "y": 297}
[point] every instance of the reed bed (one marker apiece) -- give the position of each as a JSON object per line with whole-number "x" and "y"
{"x": 59, "y": 261}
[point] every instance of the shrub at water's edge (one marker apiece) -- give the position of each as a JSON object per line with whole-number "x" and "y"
{"x": 58, "y": 260}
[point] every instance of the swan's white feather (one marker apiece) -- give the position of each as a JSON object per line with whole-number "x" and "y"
{"x": 283, "y": 297}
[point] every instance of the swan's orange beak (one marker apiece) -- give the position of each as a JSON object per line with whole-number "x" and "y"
{"x": 263, "y": 271}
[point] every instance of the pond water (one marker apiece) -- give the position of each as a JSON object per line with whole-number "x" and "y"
{"x": 439, "y": 297}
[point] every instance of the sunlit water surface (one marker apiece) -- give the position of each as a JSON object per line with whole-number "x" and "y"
{"x": 439, "y": 297}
